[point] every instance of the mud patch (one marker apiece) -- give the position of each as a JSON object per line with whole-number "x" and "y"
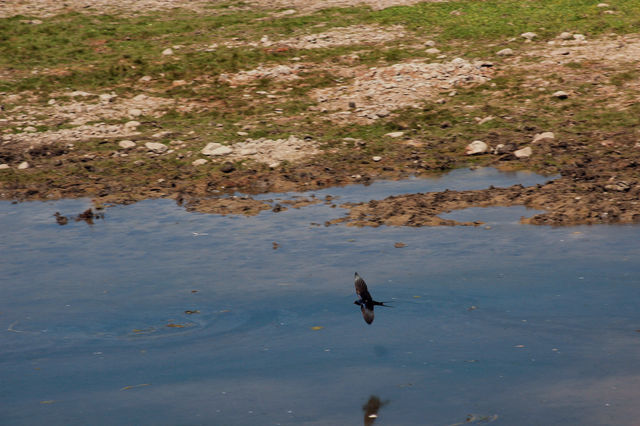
{"x": 224, "y": 206}
{"x": 564, "y": 202}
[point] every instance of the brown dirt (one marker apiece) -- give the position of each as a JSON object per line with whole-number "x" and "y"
{"x": 77, "y": 154}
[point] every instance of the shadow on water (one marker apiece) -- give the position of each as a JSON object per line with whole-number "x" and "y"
{"x": 162, "y": 316}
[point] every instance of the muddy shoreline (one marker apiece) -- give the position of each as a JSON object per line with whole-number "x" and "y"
{"x": 324, "y": 106}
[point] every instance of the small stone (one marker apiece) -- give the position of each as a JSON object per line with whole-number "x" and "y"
{"x": 561, "y": 52}
{"x": 23, "y": 165}
{"x": 529, "y": 35}
{"x": 242, "y": 133}
{"x": 485, "y": 120}
{"x": 107, "y": 97}
{"x": 126, "y": 144}
{"x": 131, "y": 125}
{"x": 4, "y": 166}
{"x": 476, "y": 147}
{"x": 429, "y": 43}
{"x": 579, "y": 37}
{"x": 227, "y": 167}
{"x": 544, "y": 136}
{"x": 602, "y": 5}
{"x": 395, "y": 134}
{"x": 51, "y": 102}
{"x": 214, "y": 149}
{"x": 432, "y": 51}
{"x": 199, "y": 162}
{"x": 499, "y": 149}
{"x": 178, "y": 83}
{"x": 620, "y": 186}
{"x": 30, "y": 129}
{"x": 505, "y": 52}
{"x": 156, "y": 147}
{"x": 135, "y": 112}
{"x": 560, "y": 94}
{"x": 167, "y": 52}
{"x": 565, "y": 36}
{"x": 145, "y": 79}
{"x": 376, "y": 158}
{"x": 523, "y": 153}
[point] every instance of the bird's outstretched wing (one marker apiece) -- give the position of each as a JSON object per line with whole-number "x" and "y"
{"x": 361, "y": 290}
{"x": 367, "y": 313}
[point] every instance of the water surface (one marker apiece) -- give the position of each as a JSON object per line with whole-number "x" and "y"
{"x": 511, "y": 323}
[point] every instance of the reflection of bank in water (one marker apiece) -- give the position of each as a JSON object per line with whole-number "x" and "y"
{"x": 371, "y": 409}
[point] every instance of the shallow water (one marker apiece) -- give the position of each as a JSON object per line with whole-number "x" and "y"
{"x": 511, "y": 323}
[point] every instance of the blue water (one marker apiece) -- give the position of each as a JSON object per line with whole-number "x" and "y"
{"x": 510, "y": 323}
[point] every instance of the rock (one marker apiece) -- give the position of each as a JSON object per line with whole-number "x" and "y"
{"x": 499, "y": 149}
{"x": 167, "y": 52}
{"x": 79, "y": 93}
{"x": 107, "y": 97}
{"x": 395, "y": 134}
{"x": 561, "y": 52}
{"x": 242, "y": 133}
{"x": 602, "y": 5}
{"x": 214, "y": 149}
{"x": 4, "y": 166}
{"x": 529, "y": 35}
{"x": 131, "y": 125}
{"x": 23, "y": 165}
{"x": 178, "y": 83}
{"x": 51, "y": 102}
{"x": 579, "y": 37}
{"x": 156, "y": 147}
{"x": 432, "y": 51}
{"x": 485, "y": 119}
{"x": 524, "y": 152}
{"x": 199, "y": 162}
{"x": 620, "y": 186}
{"x": 227, "y": 167}
{"x": 544, "y": 136}
{"x": 560, "y": 94}
{"x": 476, "y": 147}
{"x": 376, "y": 158}
{"x": 145, "y": 79}
{"x": 29, "y": 129}
{"x": 565, "y": 36}
{"x": 505, "y": 52}
{"x": 126, "y": 144}
{"x": 429, "y": 43}
{"x": 135, "y": 112}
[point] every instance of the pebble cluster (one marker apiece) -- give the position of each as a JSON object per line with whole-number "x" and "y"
{"x": 377, "y": 91}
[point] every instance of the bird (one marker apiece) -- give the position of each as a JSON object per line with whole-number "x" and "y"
{"x": 365, "y": 302}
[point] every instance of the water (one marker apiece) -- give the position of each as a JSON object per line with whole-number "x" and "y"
{"x": 513, "y": 325}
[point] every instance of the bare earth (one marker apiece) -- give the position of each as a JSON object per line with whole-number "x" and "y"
{"x": 598, "y": 182}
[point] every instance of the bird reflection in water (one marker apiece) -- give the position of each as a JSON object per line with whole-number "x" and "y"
{"x": 371, "y": 409}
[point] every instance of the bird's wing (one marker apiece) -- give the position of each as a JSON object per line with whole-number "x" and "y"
{"x": 367, "y": 313}
{"x": 361, "y": 289}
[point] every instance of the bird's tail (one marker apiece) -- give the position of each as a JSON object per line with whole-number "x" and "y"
{"x": 383, "y": 304}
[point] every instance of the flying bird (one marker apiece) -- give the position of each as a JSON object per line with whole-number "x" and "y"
{"x": 366, "y": 302}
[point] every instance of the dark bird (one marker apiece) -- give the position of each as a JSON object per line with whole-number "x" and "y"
{"x": 366, "y": 302}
